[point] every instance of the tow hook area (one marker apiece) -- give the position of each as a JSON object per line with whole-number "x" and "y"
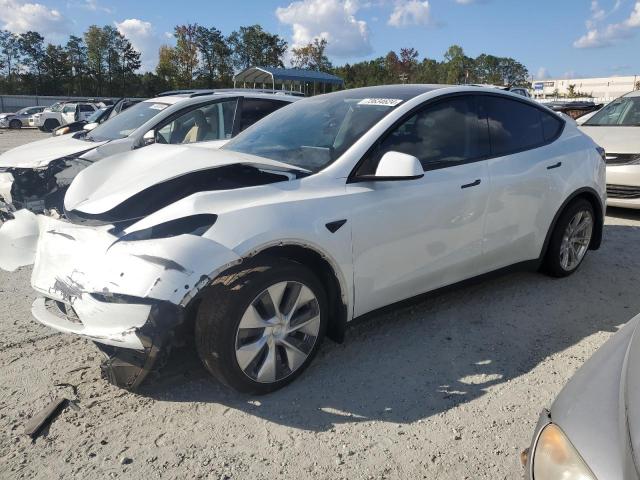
{"x": 127, "y": 368}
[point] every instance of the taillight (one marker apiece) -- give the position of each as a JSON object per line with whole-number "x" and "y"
{"x": 602, "y": 153}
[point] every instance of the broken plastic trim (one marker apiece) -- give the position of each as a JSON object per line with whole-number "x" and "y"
{"x": 127, "y": 368}
{"x": 191, "y": 225}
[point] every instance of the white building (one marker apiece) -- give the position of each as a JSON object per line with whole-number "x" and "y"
{"x": 603, "y": 89}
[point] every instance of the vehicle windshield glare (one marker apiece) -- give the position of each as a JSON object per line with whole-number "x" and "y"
{"x": 314, "y": 132}
{"x": 126, "y": 122}
{"x": 95, "y": 116}
{"x": 623, "y": 112}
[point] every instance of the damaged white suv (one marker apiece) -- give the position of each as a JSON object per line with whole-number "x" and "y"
{"x": 329, "y": 208}
{"x": 36, "y": 175}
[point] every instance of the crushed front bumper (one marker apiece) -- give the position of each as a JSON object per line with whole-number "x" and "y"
{"x": 129, "y": 297}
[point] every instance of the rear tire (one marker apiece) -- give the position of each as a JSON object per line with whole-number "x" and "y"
{"x": 570, "y": 239}
{"x": 270, "y": 315}
{"x": 49, "y": 125}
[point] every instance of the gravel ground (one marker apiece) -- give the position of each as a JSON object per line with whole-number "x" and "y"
{"x": 447, "y": 388}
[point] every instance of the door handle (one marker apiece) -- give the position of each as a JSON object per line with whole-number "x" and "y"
{"x": 472, "y": 184}
{"x": 557, "y": 165}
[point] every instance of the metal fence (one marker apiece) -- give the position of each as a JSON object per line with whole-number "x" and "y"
{"x": 12, "y": 103}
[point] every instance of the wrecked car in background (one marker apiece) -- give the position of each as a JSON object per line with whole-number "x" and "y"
{"x": 20, "y": 118}
{"x": 98, "y": 117}
{"x": 592, "y": 430}
{"x": 328, "y": 209}
{"x": 35, "y": 176}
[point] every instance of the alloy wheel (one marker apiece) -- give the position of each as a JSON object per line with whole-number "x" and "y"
{"x": 576, "y": 239}
{"x": 277, "y": 332}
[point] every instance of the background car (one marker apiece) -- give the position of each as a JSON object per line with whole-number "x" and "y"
{"x": 326, "y": 210}
{"x": 575, "y": 109}
{"x": 616, "y": 128}
{"x": 20, "y": 118}
{"x": 592, "y": 431}
{"x": 98, "y": 117}
{"x": 37, "y": 174}
{"x": 66, "y": 112}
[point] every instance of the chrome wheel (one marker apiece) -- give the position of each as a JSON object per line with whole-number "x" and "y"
{"x": 277, "y": 332}
{"x": 576, "y": 239}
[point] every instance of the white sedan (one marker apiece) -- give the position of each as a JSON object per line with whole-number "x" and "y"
{"x": 616, "y": 127}
{"x": 328, "y": 209}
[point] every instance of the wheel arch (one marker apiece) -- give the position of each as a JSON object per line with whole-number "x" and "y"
{"x": 313, "y": 258}
{"x": 593, "y": 198}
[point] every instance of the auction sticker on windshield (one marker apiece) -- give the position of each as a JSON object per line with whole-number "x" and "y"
{"x": 386, "y": 102}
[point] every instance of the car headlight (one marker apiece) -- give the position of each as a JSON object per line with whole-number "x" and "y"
{"x": 555, "y": 458}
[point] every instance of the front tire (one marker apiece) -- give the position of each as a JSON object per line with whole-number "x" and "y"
{"x": 50, "y": 125}
{"x": 259, "y": 326}
{"x": 570, "y": 239}
{"x": 15, "y": 124}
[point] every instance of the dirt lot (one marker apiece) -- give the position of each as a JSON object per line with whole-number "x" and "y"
{"x": 448, "y": 388}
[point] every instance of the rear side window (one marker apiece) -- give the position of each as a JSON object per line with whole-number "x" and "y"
{"x": 444, "y": 134}
{"x": 514, "y": 126}
{"x": 551, "y": 126}
{"x": 254, "y": 109}
{"x": 86, "y": 108}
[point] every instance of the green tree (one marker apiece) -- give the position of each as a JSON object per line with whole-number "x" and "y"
{"x": 459, "y": 67}
{"x": 77, "y": 55}
{"x": 32, "y": 48}
{"x": 215, "y": 54}
{"x": 56, "y": 70}
{"x": 514, "y": 73}
{"x": 312, "y": 56}
{"x": 167, "y": 68}
{"x": 97, "y": 52}
{"x": 186, "y": 53}
{"x": 252, "y": 46}
{"x": 10, "y": 51}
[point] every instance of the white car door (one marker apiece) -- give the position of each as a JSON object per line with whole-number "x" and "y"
{"x": 412, "y": 236}
{"x": 69, "y": 113}
{"x": 522, "y": 169}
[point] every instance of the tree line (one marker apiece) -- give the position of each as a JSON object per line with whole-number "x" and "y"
{"x": 103, "y": 62}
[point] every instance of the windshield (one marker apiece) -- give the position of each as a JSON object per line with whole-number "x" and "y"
{"x": 95, "y": 116}
{"x": 57, "y": 107}
{"x": 314, "y": 132}
{"x": 624, "y": 112}
{"x": 126, "y": 122}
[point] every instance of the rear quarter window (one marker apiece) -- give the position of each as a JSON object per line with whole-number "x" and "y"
{"x": 551, "y": 126}
{"x": 514, "y": 126}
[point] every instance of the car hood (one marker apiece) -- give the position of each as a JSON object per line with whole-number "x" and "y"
{"x": 615, "y": 139}
{"x": 108, "y": 183}
{"x": 609, "y": 384}
{"x": 39, "y": 154}
{"x": 6, "y": 114}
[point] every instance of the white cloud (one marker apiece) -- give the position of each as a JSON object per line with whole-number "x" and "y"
{"x": 20, "y": 16}
{"x": 333, "y": 20}
{"x": 410, "y": 12}
{"x": 543, "y": 73}
{"x": 94, "y": 6}
{"x": 611, "y": 33}
{"x": 469, "y": 2}
{"x": 142, "y": 36}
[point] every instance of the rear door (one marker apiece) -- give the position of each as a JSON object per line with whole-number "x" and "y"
{"x": 412, "y": 236}
{"x": 523, "y": 166}
{"x": 85, "y": 111}
{"x": 254, "y": 109}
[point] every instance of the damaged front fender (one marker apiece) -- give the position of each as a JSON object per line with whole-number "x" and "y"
{"x": 18, "y": 240}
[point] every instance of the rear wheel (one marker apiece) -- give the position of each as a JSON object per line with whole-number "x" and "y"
{"x": 15, "y": 123}
{"x": 570, "y": 239}
{"x": 259, "y": 327}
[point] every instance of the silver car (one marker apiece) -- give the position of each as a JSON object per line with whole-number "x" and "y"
{"x": 20, "y": 118}
{"x": 593, "y": 427}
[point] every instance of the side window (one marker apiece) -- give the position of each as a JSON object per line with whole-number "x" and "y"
{"x": 86, "y": 108}
{"x": 444, "y": 134}
{"x": 551, "y": 125}
{"x": 254, "y": 109}
{"x": 69, "y": 108}
{"x": 514, "y": 126}
{"x": 213, "y": 121}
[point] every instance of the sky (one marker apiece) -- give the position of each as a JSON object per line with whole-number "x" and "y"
{"x": 553, "y": 38}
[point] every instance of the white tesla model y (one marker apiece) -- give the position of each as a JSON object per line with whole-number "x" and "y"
{"x": 329, "y": 208}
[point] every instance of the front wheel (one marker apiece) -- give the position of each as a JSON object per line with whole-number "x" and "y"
{"x": 259, "y": 327}
{"x": 15, "y": 124}
{"x": 570, "y": 239}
